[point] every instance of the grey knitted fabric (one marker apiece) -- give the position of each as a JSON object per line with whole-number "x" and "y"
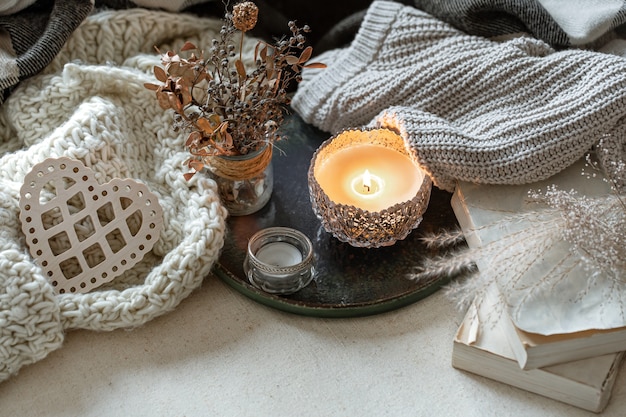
{"x": 472, "y": 109}
{"x": 558, "y": 23}
{"x": 36, "y": 34}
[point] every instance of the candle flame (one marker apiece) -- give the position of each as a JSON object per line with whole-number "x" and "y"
{"x": 367, "y": 180}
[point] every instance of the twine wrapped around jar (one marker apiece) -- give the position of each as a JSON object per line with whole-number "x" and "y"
{"x": 241, "y": 167}
{"x": 244, "y": 182}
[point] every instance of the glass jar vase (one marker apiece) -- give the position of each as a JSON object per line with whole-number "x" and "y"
{"x": 244, "y": 182}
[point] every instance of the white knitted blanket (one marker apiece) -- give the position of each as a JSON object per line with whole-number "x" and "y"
{"x": 90, "y": 104}
{"x": 472, "y": 109}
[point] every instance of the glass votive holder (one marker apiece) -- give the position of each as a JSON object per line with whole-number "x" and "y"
{"x": 366, "y": 188}
{"x": 279, "y": 260}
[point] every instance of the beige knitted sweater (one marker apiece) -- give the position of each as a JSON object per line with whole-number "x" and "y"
{"x": 472, "y": 109}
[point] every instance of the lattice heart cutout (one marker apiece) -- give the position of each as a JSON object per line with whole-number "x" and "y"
{"x": 84, "y": 234}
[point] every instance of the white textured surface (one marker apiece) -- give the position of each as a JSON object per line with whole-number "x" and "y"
{"x": 221, "y": 354}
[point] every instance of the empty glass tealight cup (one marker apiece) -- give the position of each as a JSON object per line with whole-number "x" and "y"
{"x": 279, "y": 260}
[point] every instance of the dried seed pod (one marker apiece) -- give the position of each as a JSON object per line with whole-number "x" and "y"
{"x": 245, "y": 15}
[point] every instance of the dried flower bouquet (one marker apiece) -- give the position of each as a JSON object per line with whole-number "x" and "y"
{"x": 229, "y": 109}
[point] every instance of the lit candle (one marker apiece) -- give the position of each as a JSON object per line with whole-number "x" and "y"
{"x": 366, "y": 188}
{"x": 368, "y": 176}
{"x": 367, "y": 185}
{"x": 279, "y": 254}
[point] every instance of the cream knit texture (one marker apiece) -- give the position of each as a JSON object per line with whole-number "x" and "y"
{"x": 90, "y": 104}
{"x": 471, "y": 109}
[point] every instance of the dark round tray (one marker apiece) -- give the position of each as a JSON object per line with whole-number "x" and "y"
{"x": 349, "y": 281}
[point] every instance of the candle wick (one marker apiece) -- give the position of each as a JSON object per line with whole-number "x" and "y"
{"x": 368, "y": 188}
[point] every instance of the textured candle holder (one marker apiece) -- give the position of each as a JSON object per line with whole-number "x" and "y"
{"x": 275, "y": 275}
{"x": 356, "y": 226}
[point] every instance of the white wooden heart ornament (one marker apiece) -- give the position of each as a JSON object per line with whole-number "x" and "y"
{"x": 84, "y": 234}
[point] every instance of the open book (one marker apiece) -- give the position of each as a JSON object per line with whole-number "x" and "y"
{"x": 535, "y": 351}
{"x": 479, "y": 206}
{"x": 481, "y": 347}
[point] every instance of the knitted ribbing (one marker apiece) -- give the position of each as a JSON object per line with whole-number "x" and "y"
{"x": 472, "y": 109}
{"x": 90, "y": 104}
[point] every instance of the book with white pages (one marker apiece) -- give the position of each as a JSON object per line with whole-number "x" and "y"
{"x": 479, "y": 206}
{"x": 481, "y": 347}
